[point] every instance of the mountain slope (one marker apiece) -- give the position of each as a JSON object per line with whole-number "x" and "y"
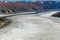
{"x": 21, "y": 7}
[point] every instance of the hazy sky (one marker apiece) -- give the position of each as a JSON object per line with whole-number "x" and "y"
{"x": 31, "y": 0}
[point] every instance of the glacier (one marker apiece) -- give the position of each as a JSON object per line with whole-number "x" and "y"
{"x": 32, "y": 27}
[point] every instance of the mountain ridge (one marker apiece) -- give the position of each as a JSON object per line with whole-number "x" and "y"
{"x": 10, "y": 7}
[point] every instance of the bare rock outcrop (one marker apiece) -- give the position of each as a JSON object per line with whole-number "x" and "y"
{"x": 56, "y": 14}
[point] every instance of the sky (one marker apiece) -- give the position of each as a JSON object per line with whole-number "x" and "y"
{"x": 31, "y": 0}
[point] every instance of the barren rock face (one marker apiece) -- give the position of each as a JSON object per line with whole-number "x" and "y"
{"x": 56, "y": 14}
{"x": 10, "y": 7}
{"x": 3, "y": 22}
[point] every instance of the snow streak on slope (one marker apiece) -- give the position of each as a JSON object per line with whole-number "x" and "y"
{"x": 31, "y": 27}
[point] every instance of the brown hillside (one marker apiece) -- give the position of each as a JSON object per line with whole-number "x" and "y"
{"x": 21, "y": 7}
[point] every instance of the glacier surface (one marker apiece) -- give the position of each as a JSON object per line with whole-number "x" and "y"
{"x": 32, "y": 27}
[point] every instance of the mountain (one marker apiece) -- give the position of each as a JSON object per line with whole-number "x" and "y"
{"x": 51, "y": 5}
{"x": 10, "y": 7}
{"x": 20, "y": 7}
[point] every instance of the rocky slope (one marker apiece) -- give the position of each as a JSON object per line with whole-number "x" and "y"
{"x": 20, "y": 7}
{"x": 10, "y": 7}
{"x": 56, "y": 14}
